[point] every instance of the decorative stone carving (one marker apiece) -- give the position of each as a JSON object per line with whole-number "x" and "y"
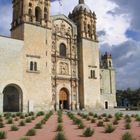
{"x": 64, "y": 68}
{"x": 53, "y": 68}
{"x": 53, "y": 46}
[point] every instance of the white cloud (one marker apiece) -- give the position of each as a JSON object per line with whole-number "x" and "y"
{"x": 113, "y": 25}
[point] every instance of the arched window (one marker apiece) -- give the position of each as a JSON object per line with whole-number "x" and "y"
{"x": 62, "y": 50}
{"x": 38, "y": 14}
{"x": 89, "y": 30}
{"x": 45, "y": 14}
{"x": 109, "y": 63}
{"x": 31, "y": 65}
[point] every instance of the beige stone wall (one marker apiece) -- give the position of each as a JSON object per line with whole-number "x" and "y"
{"x": 11, "y": 68}
{"x": 89, "y": 87}
{"x": 10, "y": 59}
{"x": 37, "y": 43}
{"x": 108, "y": 87}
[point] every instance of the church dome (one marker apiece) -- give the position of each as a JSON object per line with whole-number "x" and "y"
{"x": 81, "y": 6}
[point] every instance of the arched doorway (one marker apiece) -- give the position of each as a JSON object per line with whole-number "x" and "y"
{"x": 63, "y": 99}
{"x": 12, "y": 99}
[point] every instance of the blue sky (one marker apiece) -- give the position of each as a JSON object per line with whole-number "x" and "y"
{"x": 118, "y": 27}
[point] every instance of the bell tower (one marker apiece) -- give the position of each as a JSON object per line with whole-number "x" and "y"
{"x": 107, "y": 61}
{"x": 85, "y": 20}
{"x": 88, "y": 54}
{"x": 35, "y": 12}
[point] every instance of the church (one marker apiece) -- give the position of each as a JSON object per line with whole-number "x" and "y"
{"x": 53, "y": 62}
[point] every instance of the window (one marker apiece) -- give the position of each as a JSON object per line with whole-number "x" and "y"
{"x": 62, "y": 50}
{"x": 45, "y": 14}
{"x": 92, "y": 74}
{"x": 33, "y": 66}
{"x": 38, "y": 14}
{"x": 109, "y": 63}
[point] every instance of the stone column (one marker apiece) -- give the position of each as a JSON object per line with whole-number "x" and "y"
{"x": 1, "y": 102}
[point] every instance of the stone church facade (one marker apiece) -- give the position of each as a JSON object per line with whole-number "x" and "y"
{"x": 53, "y": 62}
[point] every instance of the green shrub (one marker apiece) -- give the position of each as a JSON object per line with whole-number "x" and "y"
{"x": 14, "y": 128}
{"x": 88, "y": 118}
{"x": 18, "y": 114}
{"x": 115, "y": 122}
{"x": 85, "y": 116}
{"x": 117, "y": 116}
{"x": 81, "y": 125}
{"x": 93, "y": 120}
{"x": 110, "y": 116}
{"x": 16, "y": 119}
{"x": 88, "y": 132}
{"x": 109, "y": 128}
{"x": 90, "y": 114}
{"x": 28, "y": 120}
{"x": 127, "y": 136}
{"x": 24, "y": 138}
{"x": 95, "y": 115}
{"x": 1, "y": 120}
{"x": 133, "y": 115}
{"x": 2, "y": 135}
{"x": 43, "y": 121}
{"x": 26, "y": 115}
{"x": 31, "y": 113}
{"x": 138, "y": 118}
{"x": 106, "y": 120}
{"x": 59, "y": 120}
{"x": 1, "y": 125}
{"x": 22, "y": 116}
{"x": 10, "y": 121}
{"x": 126, "y": 116}
{"x": 79, "y": 114}
{"x": 13, "y": 115}
{"x": 31, "y": 132}
{"x": 127, "y": 126}
{"x": 99, "y": 117}
{"x": 40, "y": 113}
{"x": 32, "y": 118}
{"x": 7, "y": 115}
{"x": 100, "y": 124}
{"x": 38, "y": 126}
{"x": 22, "y": 123}
{"x": 77, "y": 121}
{"x": 59, "y": 113}
{"x": 59, "y": 127}
{"x": 128, "y": 119}
{"x": 104, "y": 115}
{"x": 60, "y": 136}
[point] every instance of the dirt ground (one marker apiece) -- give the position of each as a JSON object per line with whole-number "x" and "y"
{"x": 71, "y": 130}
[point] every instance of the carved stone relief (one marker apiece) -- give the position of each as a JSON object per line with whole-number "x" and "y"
{"x": 63, "y": 68}
{"x": 62, "y": 29}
